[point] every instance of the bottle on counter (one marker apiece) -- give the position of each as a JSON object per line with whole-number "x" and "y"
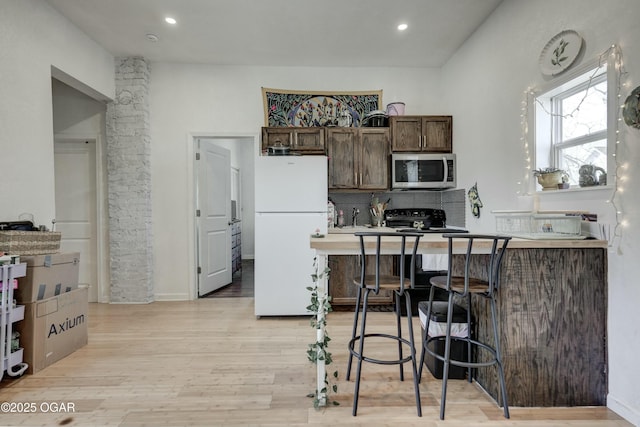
{"x": 331, "y": 214}
{"x": 340, "y": 218}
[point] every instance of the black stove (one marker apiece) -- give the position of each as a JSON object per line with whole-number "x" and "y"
{"x": 425, "y": 220}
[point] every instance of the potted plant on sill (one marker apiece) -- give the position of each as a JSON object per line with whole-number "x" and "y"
{"x": 551, "y": 178}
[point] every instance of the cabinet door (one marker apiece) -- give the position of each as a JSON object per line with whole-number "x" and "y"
{"x": 344, "y": 268}
{"x": 343, "y": 158}
{"x": 374, "y": 158}
{"x": 437, "y": 134}
{"x": 276, "y": 136}
{"x": 406, "y": 133}
{"x": 308, "y": 140}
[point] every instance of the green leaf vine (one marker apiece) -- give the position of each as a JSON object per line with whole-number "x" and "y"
{"x": 319, "y": 350}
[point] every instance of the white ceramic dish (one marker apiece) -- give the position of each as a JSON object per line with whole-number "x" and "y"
{"x": 560, "y": 53}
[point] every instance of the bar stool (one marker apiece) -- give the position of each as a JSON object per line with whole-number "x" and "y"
{"x": 396, "y": 242}
{"x": 464, "y": 287}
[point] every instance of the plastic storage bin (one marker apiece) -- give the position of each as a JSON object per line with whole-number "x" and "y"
{"x": 437, "y": 326}
{"x": 538, "y": 225}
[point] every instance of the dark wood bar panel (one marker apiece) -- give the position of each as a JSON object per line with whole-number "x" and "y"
{"x": 552, "y": 309}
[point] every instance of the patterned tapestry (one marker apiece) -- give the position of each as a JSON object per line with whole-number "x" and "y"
{"x": 308, "y": 109}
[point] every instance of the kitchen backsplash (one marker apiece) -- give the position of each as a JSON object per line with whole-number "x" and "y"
{"x": 453, "y": 202}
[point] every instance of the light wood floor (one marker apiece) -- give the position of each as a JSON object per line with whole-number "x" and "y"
{"x": 211, "y": 362}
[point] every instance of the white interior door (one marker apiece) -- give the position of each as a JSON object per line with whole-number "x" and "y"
{"x": 76, "y": 213}
{"x": 214, "y": 206}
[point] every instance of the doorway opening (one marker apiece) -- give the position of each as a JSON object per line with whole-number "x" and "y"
{"x": 78, "y": 199}
{"x": 235, "y": 214}
{"x": 241, "y": 284}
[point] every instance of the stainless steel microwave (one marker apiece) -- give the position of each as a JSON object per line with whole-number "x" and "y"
{"x": 423, "y": 171}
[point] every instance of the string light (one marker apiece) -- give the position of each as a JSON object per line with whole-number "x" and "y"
{"x": 524, "y": 125}
{"x": 620, "y": 178}
{"x": 529, "y": 98}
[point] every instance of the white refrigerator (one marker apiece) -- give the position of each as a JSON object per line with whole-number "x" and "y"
{"x": 291, "y": 204}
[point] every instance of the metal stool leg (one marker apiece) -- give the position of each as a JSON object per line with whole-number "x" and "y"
{"x": 416, "y": 379}
{"x": 422, "y": 352}
{"x": 354, "y": 329}
{"x": 503, "y": 387}
{"x": 469, "y": 346}
{"x": 425, "y": 332}
{"x": 360, "y": 352}
{"x": 399, "y": 332}
{"x": 447, "y": 356}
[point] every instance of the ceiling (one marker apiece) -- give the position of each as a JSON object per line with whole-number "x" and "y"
{"x": 333, "y": 33}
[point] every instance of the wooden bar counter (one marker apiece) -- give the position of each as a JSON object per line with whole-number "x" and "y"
{"x": 552, "y": 308}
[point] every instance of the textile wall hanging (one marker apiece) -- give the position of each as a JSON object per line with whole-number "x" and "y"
{"x": 309, "y": 109}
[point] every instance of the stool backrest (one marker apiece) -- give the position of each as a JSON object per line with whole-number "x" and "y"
{"x": 397, "y": 243}
{"x": 497, "y": 244}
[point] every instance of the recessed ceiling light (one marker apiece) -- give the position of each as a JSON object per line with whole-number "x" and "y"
{"x": 402, "y": 27}
{"x": 152, "y": 37}
{"x": 170, "y": 20}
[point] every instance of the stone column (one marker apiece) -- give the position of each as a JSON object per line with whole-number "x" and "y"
{"x": 129, "y": 182}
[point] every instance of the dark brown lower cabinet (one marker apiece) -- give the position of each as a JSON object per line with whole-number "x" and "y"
{"x": 344, "y": 268}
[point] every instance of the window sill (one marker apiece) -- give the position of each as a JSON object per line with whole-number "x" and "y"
{"x": 576, "y": 189}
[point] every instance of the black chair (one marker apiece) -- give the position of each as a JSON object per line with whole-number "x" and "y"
{"x": 464, "y": 287}
{"x": 373, "y": 243}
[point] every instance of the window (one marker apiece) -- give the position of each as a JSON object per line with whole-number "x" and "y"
{"x": 572, "y": 121}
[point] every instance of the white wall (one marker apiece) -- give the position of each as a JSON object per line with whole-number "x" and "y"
{"x": 248, "y": 206}
{"x": 484, "y": 85}
{"x": 33, "y": 38}
{"x": 190, "y": 99}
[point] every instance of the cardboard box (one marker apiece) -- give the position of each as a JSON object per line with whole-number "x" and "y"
{"x": 54, "y": 328}
{"x": 47, "y": 276}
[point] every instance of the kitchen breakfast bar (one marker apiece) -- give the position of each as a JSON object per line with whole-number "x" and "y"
{"x": 552, "y": 309}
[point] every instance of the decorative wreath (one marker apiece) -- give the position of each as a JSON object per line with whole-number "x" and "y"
{"x": 631, "y": 109}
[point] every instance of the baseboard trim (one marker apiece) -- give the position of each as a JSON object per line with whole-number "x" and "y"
{"x": 630, "y": 414}
{"x": 172, "y": 297}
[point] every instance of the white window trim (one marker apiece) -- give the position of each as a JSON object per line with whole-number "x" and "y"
{"x": 539, "y": 121}
{"x": 558, "y": 143}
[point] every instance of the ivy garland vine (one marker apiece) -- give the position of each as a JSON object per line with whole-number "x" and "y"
{"x": 319, "y": 350}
